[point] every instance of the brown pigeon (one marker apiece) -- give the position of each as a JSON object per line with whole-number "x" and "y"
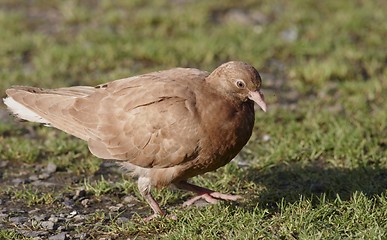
{"x": 165, "y": 127}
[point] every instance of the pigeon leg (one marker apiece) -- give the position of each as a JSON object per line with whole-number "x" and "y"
{"x": 204, "y": 193}
{"x": 144, "y": 188}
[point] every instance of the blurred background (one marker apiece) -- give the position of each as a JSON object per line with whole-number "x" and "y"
{"x": 323, "y": 65}
{"x": 304, "y": 45}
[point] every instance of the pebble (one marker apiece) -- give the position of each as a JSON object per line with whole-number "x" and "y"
{"x": 45, "y": 222}
{"x": 53, "y": 219}
{"x": 290, "y": 34}
{"x": 3, "y": 216}
{"x": 40, "y": 218}
{"x": 130, "y": 199}
{"x": 122, "y": 220}
{"x": 201, "y": 203}
{"x": 60, "y": 236}
{"x": 72, "y": 214}
{"x": 81, "y": 236}
{"x": 3, "y": 164}
{"x": 266, "y": 138}
{"x": 116, "y": 208}
{"x": 68, "y": 203}
{"x": 79, "y": 218}
{"x": 243, "y": 164}
{"x": 33, "y": 211}
{"x": 44, "y": 176}
{"x": 49, "y": 225}
{"x": 51, "y": 167}
{"x": 18, "y": 220}
{"x": 18, "y": 181}
{"x": 33, "y": 177}
{"x": 242, "y": 17}
{"x": 85, "y": 202}
{"x": 43, "y": 183}
{"x": 17, "y": 210}
{"x": 33, "y": 234}
{"x": 61, "y": 228}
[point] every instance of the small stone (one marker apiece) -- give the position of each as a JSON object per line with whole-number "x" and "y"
{"x": 130, "y": 199}
{"x": 60, "y": 236}
{"x": 17, "y": 210}
{"x": 53, "y": 219}
{"x": 243, "y": 164}
{"x": 116, "y": 208}
{"x": 130, "y": 205}
{"x": 85, "y": 202}
{"x": 43, "y": 176}
{"x": 3, "y": 164}
{"x": 72, "y": 214}
{"x": 201, "y": 203}
{"x": 122, "y": 220}
{"x": 43, "y": 183}
{"x": 68, "y": 204}
{"x": 18, "y": 181}
{"x": 51, "y": 167}
{"x": 266, "y": 138}
{"x": 48, "y": 225}
{"x": 40, "y": 218}
{"x": 33, "y": 234}
{"x": 79, "y": 218}
{"x": 33, "y": 211}
{"x": 18, "y": 220}
{"x": 61, "y": 228}
{"x": 290, "y": 34}
{"x": 80, "y": 236}
{"x": 3, "y": 216}
{"x": 37, "y": 234}
{"x": 33, "y": 177}
{"x": 238, "y": 16}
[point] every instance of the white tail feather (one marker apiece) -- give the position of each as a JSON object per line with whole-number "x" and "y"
{"x": 23, "y": 112}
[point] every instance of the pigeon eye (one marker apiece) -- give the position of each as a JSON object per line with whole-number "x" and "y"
{"x": 240, "y": 84}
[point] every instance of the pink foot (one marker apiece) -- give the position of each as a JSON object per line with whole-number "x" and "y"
{"x": 212, "y": 198}
{"x": 205, "y": 194}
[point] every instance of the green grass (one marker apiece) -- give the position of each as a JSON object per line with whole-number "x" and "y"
{"x": 30, "y": 196}
{"x": 322, "y": 174}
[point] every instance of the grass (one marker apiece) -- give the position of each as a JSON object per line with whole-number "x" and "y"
{"x": 316, "y": 164}
{"x": 30, "y": 196}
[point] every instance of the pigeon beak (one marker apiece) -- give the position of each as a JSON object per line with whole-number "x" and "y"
{"x": 257, "y": 96}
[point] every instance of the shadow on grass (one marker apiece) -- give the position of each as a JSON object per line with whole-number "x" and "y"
{"x": 289, "y": 182}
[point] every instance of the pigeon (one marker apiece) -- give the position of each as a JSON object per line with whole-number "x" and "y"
{"x": 164, "y": 127}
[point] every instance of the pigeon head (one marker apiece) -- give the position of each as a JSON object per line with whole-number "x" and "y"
{"x": 240, "y": 81}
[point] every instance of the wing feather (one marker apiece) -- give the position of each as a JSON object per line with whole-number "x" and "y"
{"x": 142, "y": 119}
{"x": 148, "y": 120}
